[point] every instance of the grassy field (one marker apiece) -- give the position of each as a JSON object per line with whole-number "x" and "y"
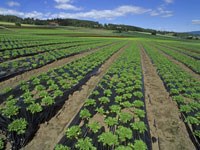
{"x": 76, "y": 88}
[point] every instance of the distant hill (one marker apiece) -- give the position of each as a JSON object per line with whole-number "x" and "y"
{"x": 194, "y": 32}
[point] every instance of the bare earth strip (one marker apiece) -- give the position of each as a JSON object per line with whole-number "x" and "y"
{"x": 184, "y": 67}
{"x": 50, "y": 133}
{"x": 163, "y": 115}
{"x": 12, "y": 82}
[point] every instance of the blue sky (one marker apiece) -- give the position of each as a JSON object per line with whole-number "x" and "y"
{"x": 171, "y": 15}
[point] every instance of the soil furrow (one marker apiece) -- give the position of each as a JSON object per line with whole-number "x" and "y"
{"x": 184, "y": 67}
{"x": 13, "y": 82}
{"x": 167, "y": 129}
{"x": 50, "y": 133}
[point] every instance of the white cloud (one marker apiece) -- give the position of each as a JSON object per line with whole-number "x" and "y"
{"x": 169, "y": 1}
{"x": 33, "y": 14}
{"x": 67, "y": 7}
{"x": 12, "y": 4}
{"x": 104, "y": 14}
{"x": 160, "y": 11}
{"x": 62, "y": 1}
{"x": 92, "y": 14}
{"x": 196, "y": 22}
{"x": 5, "y": 11}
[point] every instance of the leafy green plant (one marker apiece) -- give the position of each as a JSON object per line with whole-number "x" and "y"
{"x": 85, "y": 114}
{"x": 125, "y": 117}
{"x": 138, "y": 103}
{"x": 138, "y": 94}
{"x": 126, "y": 104}
{"x": 192, "y": 120}
{"x": 197, "y": 133}
{"x": 61, "y": 147}
{"x": 139, "y": 126}
{"x": 85, "y": 144}
{"x": 10, "y": 109}
{"x": 139, "y": 145}
{"x": 1, "y": 143}
{"x": 115, "y": 109}
{"x": 90, "y": 102}
{"x": 110, "y": 121}
{"x": 100, "y": 111}
{"x": 139, "y": 113}
{"x": 34, "y": 108}
{"x": 73, "y": 132}
{"x": 39, "y": 88}
{"x": 124, "y": 133}
{"x": 122, "y": 147}
{"x": 107, "y": 138}
{"x": 104, "y": 100}
{"x": 185, "y": 108}
{"x": 46, "y": 101}
{"x": 118, "y": 99}
{"x": 108, "y": 92}
{"x": 43, "y": 93}
{"x": 57, "y": 93}
{"x": 95, "y": 93}
{"x": 95, "y": 126}
{"x": 18, "y": 126}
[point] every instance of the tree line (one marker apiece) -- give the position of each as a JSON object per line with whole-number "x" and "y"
{"x": 72, "y": 22}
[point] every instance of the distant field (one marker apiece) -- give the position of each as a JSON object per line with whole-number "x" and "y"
{"x": 13, "y": 24}
{"x": 68, "y": 87}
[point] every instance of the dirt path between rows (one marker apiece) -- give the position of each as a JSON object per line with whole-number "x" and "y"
{"x": 163, "y": 115}
{"x": 13, "y": 82}
{"x": 50, "y": 133}
{"x": 184, "y": 67}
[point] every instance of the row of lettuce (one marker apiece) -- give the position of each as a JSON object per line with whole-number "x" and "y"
{"x": 28, "y": 51}
{"x": 190, "y": 53}
{"x": 18, "y": 41}
{"x": 17, "y": 66}
{"x": 33, "y": 102}
{"x": 183, "y": 88}
{"x": 191, "y": 62}
{"x": 113, "y": 116}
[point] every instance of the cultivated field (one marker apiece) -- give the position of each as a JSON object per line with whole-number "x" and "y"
{"x": 72, "y": 88}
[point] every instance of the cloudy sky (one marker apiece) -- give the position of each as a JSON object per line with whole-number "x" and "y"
{"x": 172, "y": 15}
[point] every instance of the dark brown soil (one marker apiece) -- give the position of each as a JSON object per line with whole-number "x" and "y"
{"x": 12, "y": 82}
{"x": 184, "y": 67}
{"x": 163, "y": 115}
{"x": 50, "y": 133}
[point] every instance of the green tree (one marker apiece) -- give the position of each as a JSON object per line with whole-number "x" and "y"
{"x": 18, "y": 24}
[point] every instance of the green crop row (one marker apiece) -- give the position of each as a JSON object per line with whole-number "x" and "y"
{"x": 113, "y": 117}
{"x": 34, "y": 101}
{"x": 183, "y": 88}
{"x": 192, "y": 63}
{"x": 181, "y": 50}
{"x": 31, "y": 62}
